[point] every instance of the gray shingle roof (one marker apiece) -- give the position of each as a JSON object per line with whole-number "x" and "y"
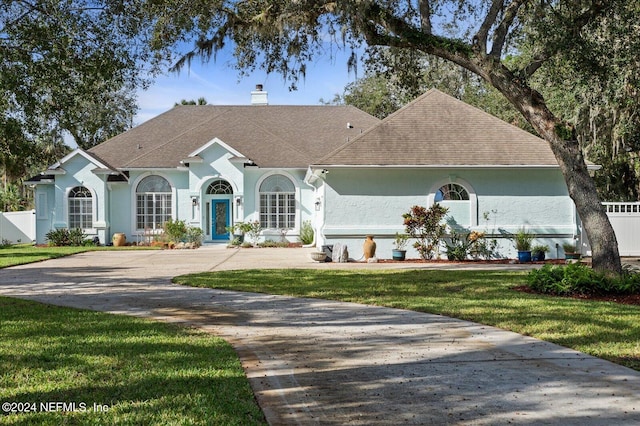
{"x": 271, "y": 136}
{"x": 439, "y": 130}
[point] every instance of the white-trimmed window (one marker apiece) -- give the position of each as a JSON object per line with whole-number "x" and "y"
{"x": 277, "y": 203}
{"x": 80, "y": 208}
{"x": 153, "y": 202}
{"x": 451, "y": 192}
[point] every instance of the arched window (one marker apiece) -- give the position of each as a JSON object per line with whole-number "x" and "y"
{"x": 153, "y": 203}
{"x": 219, "y": 187}
{"x": 80, "y": 208}
{"x": 451, "y": 192}
{"x": 277, "y": 203}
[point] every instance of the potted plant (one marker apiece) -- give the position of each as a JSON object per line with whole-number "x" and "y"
{"x": 399, "y": 243}
{"x": 237, "y": 231}
{"x": 523, "y": 240}
{"x": 538, "y": 252}
{"x": 571, "y": 252}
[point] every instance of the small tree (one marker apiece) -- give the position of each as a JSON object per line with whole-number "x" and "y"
{"x": 427, "y": 227}
{"x": 254, "y": 231}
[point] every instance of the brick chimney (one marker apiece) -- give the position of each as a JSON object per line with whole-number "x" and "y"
{"x": 259, "y": 96}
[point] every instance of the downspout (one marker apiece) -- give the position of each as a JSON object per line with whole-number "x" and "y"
{"x": 315, "y": 193}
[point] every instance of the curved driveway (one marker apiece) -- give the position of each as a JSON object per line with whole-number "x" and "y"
{"x": 311, "y": 361}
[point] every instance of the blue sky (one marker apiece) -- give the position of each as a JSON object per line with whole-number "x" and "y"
{"x": 220, "y": 84}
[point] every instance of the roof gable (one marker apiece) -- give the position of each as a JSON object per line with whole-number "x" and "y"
{"x": 215, "y": 141}
{"x": 87, "y": 156}
{"x": 439, "y": 130}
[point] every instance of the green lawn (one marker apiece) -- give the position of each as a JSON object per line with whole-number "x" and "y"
{"x": 134, "y": 371}
{"x": 24, "y": 253}
{"x": 603, "y": 329}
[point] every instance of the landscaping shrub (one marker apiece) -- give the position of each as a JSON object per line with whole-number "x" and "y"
{"x": 458, "y": 245}
{"x": 271, "y": 243}
{"x": 578, "y": 279}
{"x": 77, "y": 237}
{"x": 306, "y": 232}
{"x": 426, "y": 226}
{"x": 66, "y": 237}
{"x": 175, "y": 230}
{"x": 58, "y": 237}
{"x": 194, "y": 235}
{"x": 254, "y": 231}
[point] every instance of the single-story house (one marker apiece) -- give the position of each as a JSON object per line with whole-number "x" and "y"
{"x": 346, "y": 172}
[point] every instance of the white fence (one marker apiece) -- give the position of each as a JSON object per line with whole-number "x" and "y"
{"x": 625, "y": 219}
{"x": 18, "y": 227}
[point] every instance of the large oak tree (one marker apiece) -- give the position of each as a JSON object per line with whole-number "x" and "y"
{"x": 478, "y": 35}
{"x": 68, "y": 71}
{"x": 67, "y": 67}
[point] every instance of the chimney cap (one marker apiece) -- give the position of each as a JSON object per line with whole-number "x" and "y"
{"x": 259, "y": 96}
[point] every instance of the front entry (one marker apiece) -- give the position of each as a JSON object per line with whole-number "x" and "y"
{"x": 220, "y": 219}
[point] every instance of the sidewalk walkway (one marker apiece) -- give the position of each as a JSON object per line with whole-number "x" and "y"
{"x": 321, "y": 362}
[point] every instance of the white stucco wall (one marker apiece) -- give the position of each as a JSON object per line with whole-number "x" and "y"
{"x": 371, "y": 201}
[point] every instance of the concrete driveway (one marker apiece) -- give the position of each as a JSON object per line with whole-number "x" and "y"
{"x": 320, "y": 362}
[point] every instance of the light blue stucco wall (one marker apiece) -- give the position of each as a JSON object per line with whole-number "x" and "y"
{"x": 352, "y": 203}
{"x": 78, "y": 172}
{"x": 123, "y": 200}
{"x": 44, "y": 196}
{"x": 371, "y": 201}
{"x": 305, "y": 199}
{"x": 115, "y": 202}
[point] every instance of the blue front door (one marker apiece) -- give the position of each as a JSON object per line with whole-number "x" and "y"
{"x": 220, "y": 219}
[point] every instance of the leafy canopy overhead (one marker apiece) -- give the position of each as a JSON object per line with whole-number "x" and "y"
{"x": 71, "y": 66}
{"x": 283, "y": 36}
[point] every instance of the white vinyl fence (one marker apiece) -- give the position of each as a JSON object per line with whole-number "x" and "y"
{"x": 625, "y": 219}
{"x": 18, "y": 227}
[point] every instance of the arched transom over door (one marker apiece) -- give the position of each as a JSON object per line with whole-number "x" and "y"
{"x": 219, "y": 208}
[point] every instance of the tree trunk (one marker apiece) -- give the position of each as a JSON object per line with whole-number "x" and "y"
{"x": 566, "y": 149}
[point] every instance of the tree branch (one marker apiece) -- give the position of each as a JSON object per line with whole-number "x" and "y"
{"x": 533, "y": 66}
{"x": 425, "y": 16}
{"x": 398, "y": 33}
{"x": 500, "y": 35}
{"x": 480, "y": 39}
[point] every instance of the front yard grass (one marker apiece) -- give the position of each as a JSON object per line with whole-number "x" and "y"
{"x": 21, "y": 254}
{"x": 604, "y": 329}
{"x": 111, "y": 369}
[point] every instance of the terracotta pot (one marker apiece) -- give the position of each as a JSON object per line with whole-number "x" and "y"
{"x": 119, "y": 239}
{"x": 369, "y": 248}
